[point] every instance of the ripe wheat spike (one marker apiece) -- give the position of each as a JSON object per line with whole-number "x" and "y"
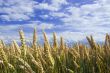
{"x": 55, "y": 57}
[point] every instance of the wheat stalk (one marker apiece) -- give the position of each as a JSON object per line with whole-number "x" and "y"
{"x": 17, "y": 48}
{"x": 55, "y": 45}
{"x": 23, "y": 43}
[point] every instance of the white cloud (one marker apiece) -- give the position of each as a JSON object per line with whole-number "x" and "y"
{"x": 54, "y": 5}
{"x": 17, "y": 17}
{"x": 9, "y": 27}
{"x": 46, "y": 6}
{"x": 89, "y": 19}
{"x": 70, "y": 36}
{"x": 40, "y": 26}
{"x": 57, "y": 14}
{"x": 44, "y": 16}
{"x": 17, "y": 9}
{"x": 58, "y": 3}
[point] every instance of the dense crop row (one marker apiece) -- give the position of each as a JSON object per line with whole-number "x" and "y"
{"x": 56, "y": 58}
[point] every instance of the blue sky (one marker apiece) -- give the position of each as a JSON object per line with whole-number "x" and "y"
{"x": 72, "y": 19}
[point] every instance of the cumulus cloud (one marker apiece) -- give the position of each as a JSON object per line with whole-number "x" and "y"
{"x": 55, "y": 5}
{"x": 16, "y": 9}
{"x": 9, "y": 27}
{"x": 58, "y": 3}
{"x": 89, "y": 18}
{"x": 40, "y": 26}
{"x": 46, "y": 6}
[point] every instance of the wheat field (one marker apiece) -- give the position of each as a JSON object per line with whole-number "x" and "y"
{"x": 55, "y": 58}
